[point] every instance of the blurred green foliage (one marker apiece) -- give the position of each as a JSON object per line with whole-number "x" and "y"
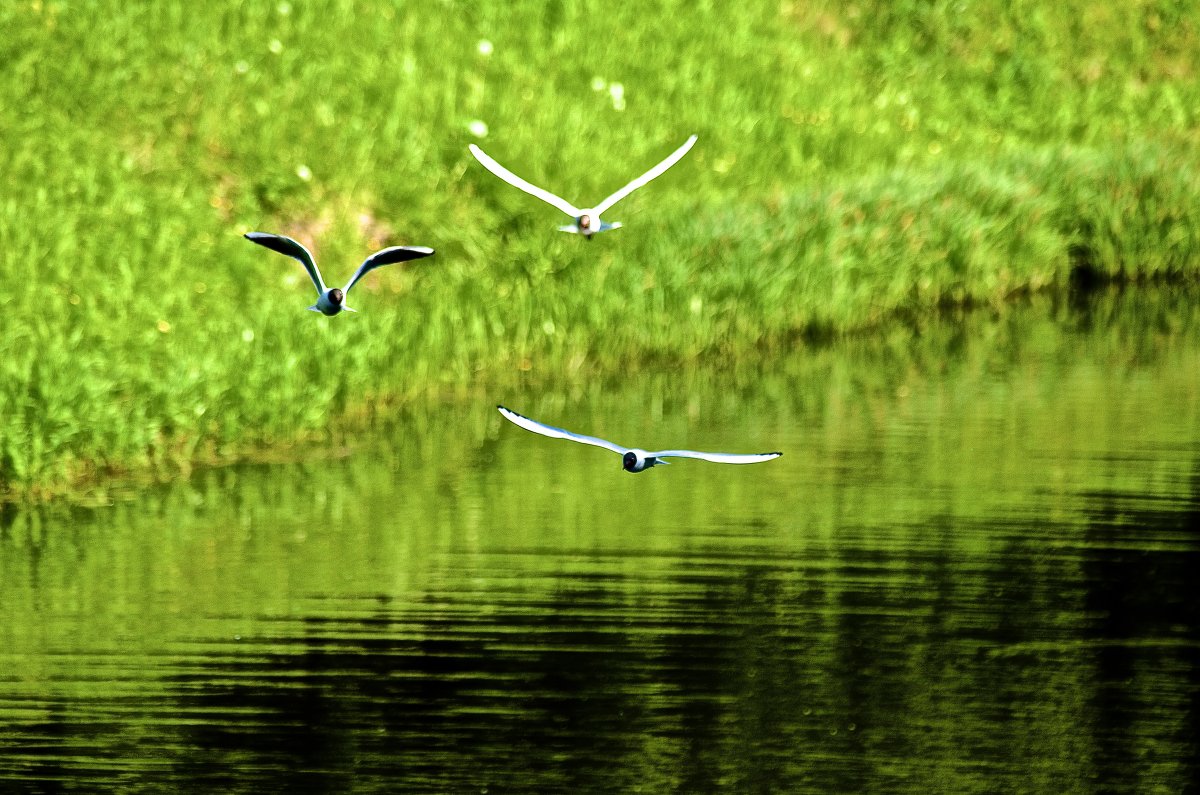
{"x": 856, "y": 161}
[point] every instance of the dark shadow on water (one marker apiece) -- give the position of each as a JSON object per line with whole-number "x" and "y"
{"x": 587, "y": 691}
{"x": 1143, "y": 577}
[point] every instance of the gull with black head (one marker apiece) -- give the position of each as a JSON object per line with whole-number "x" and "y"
{"x": 585, "y": 221}
{"x": 633, "y": 459}
{"x": 332, "y": 300}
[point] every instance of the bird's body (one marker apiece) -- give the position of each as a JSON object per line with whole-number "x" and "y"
{"x": 640, "y": 461}
{"x": 332, "y": 300}
{"x": 584, "y": 221}
{"x": 632, "y": 458}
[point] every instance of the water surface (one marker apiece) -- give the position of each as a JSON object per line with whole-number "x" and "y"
{"x": 973, "y": 570}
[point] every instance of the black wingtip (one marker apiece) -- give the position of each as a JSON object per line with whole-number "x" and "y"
{"x": 514, "y": 413}
{"x": 396, "y": 254}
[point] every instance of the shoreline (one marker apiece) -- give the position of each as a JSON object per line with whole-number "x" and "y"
{"x": 103, "y": 486}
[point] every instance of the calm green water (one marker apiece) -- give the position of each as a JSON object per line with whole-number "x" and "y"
{"x": 974, "y": 570}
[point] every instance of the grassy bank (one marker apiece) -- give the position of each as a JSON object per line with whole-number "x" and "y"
{"x": 856, "y": 162}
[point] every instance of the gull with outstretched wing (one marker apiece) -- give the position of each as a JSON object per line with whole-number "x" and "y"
{"x": 633, "y": 459}
{"x": 585, "y": 221}
{"x": 332, "y": 300}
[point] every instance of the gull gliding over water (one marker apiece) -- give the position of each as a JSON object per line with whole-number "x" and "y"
{"x": 633, "y": 459}
{"x": 586, "y": 221}
{"x": 332, "y": 300}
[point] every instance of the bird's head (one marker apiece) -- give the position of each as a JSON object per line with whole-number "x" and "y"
{"x": 629, "y": 462}
{"x": 336, "y": 297}
{"x": 585, "y": 222}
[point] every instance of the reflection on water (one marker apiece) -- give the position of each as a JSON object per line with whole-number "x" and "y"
{"x": 973, "y": 570}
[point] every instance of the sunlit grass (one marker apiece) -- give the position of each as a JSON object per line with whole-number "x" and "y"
{"x": 856, "y": 163}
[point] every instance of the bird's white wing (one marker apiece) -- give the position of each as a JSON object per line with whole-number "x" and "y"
{"x": 387, "y": 256}
{"x": 671, "y": 160}
{"x": 558, "y": 433}
{"x": 718, "y": 458}
{"x": 512, "y": 179}
{"x": 289, "y": 247}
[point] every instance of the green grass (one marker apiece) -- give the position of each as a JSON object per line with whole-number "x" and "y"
{"x": 857, "y": 162}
